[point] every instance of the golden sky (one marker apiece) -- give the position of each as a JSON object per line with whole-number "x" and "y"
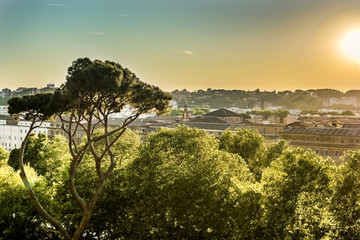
{"x": 229, "y": 44}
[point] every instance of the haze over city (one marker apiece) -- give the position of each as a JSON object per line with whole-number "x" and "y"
{"x": 230, "y": 44}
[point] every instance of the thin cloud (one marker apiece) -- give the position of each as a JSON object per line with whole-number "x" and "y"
{"x": 58, "y": 5}
{"x": 125, "y": 15}
{"x": 188, "y": 52}
{"x": 98, "y": 33}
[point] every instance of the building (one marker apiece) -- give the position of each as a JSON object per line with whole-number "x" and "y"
{"x": 270, "y": 131}
{"x": 13, "y": 132}
{"x": 326, "y": 142}
{"x": 4, "y": 110}
{"x": 225, "y": 115}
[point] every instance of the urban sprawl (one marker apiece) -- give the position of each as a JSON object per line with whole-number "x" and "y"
{"x": 326, "y": 133}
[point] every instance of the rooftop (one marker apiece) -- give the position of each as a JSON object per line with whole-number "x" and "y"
{"x": 324, "y": 131}
{"x": 222, "y": 113}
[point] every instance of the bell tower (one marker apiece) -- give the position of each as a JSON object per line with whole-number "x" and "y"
{"x": 185, "y": 114}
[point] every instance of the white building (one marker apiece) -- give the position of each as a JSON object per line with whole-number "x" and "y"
{"x": 4, "y": 110}
{"x": 12, "y": 132}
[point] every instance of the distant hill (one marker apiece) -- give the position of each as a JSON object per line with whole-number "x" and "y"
{"x": 298, "y": 99}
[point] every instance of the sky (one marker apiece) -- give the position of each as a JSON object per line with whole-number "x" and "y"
{"x": 183, "y": 44}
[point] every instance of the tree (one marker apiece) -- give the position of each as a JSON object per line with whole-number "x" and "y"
{"x": 348, "y": 113}
{"x": 18, "y": 218}
{"x": 199, "y": 111}
{"x": 4, "y": 155}
{"x": 109, "y": 219}
{"x": 34, "y": 153}
{"x": 282, "y": 114}
{"x": 248, "y": 144}
{"x": 296, "y": 193}
{"x": 183, "y": 187}
{"x": 345, "y": 202}
{"x": 93, "y": 90}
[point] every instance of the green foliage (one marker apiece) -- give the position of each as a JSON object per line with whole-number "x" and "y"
{"x": 35, "y": 105}
{"x": 193, "y": 111}
{"x": 18, "y": 219}
{"x": 34, "y": 153}
{"x": 182, "y": 186}
{"x": 3, "y": 101}
{"x": 108, "y": 83}
{"x": 93, "y": 90}
{"x": 174, "y": 112}
{"x": 345, "y": 202}
{"x": 294, "y": 183}
{"x": 265, "y": 113}
{"x": 40, "y": 154}
{"x": 323, "y": 113}
{"x": 93, "y": 83}
{"x": 248, "y": 144}
{"x": 4, "y": 155}
{"x": 109, "y": 211}
{"x": 348, "y": 113}
{"x": 199, "y": 111}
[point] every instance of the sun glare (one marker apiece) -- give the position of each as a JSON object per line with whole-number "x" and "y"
{"x": 350, "y": 44}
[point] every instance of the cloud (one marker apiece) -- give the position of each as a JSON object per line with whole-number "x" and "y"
{"x": 188, "y": 52}
{"x": 98, "y": 33}
{"x": 58, "y": 5}
{"x": 125, "y": 15}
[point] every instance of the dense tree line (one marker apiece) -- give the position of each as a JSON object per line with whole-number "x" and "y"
{"x": 183, "y": 183}
{"x": 298, "y": 99}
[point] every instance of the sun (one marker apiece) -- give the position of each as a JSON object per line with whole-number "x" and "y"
{"x": 350, "y": 44}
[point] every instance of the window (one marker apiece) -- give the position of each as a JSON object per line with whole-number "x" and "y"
{"x": 336, "y": 153}
{"x": 326, "y": 152}
{"x": 317, "y": 151}
{"x": 264, "y": 130}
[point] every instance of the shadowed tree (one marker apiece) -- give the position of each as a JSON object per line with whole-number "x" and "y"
{"x": 93, "y": 90}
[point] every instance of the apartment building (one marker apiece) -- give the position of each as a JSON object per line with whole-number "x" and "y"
{"x": 13, "y": 132}
{"x": 326, "y": 142}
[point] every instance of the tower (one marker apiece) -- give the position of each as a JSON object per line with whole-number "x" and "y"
{"x": 185, "y": 114}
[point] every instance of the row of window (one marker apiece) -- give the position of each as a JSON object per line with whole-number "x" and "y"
{"x": 9, "y": 137}
{"x": 317, "y": 139}
{"x": 327, "y": 152}
{"x": 7, "y": 145}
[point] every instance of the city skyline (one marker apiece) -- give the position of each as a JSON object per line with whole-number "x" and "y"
{"x": 228, "y": 44}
